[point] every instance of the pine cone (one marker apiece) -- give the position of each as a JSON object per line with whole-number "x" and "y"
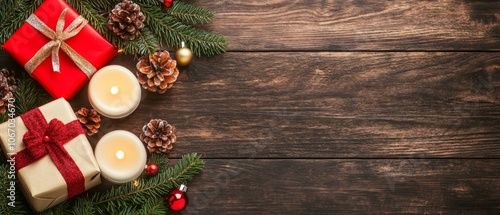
{"x": 11, "y": 79}
{"x": 126, "y": 20}
{"x": 158, "y": 72}
{"x": 90, "y": 120}
{"x": 159, "y": 136}
{"x": 7, "y": 88}
{"x": 4, "y": 102}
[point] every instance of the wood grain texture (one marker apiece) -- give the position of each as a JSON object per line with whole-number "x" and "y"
{"x": 256, "y": 25}
{"x": 401, "y": 186}
{"x": 329, "y": 105}
{"x": 338, "y": 107}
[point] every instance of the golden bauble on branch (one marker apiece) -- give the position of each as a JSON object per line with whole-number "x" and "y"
{"x": 183, "y": 56}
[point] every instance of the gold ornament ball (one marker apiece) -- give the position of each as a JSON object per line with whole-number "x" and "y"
{"x": 183, "y": 56}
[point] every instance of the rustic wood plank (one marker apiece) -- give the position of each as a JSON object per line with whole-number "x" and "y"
{"x": 329, "y": 105}
{"x": 399, "y": 186}
{"x": 252, "y": 25}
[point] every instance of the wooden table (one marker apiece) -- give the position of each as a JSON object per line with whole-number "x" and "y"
{"x": 340, "y": 107}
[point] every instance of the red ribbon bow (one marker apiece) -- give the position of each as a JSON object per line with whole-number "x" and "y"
{"x": 44, "y": 139}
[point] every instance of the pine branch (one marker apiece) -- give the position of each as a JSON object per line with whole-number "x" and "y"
{"x": 7, "y": 25}
{"x": 144, "y": 190}
{"x": 6, "y": 12}
{"x": 29, "y": 95}
{"x": 83, "y": 207}
{"x": 127, "y": 211}
{"x": 148, "y": 43}
{"x": 103, "y": 5}
{"x": 145, "y": 43}
{"x": 60, "y": 209}
{"x": 154, "y": 207}
{"x": 161, "y": 160}
{"x": 190, "y": 14}
{"x": 171, "y": 32}
{"x": 3, "y": 117}
{"x": 91, "y": 14}
{"x": 24, "y": 8}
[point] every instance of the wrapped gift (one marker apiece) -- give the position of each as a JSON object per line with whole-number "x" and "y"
{"x": 53, "y": 158}
{"x": 59, "y": 49}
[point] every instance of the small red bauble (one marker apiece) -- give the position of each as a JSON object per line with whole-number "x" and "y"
{"x": 151, "y": 170}
{"x": 177, "y": 199}
{"x": 168, "y": 3}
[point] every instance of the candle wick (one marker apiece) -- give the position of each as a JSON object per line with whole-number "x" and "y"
{"x": 120, "y": 154}
{"x": 114, "y": 90}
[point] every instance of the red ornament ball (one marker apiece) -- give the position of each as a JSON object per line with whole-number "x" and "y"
{"x": 168, "y": 3}
{"x": 151, "y": 170}
{"x": 177, "y": 199}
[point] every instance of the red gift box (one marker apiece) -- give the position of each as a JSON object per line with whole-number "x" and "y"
{"x": 92, "y": 46}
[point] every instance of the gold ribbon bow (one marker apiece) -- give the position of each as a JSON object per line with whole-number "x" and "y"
{"x": 57, "y": 42}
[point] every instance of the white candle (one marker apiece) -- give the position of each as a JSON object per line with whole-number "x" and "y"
{"x": 114, "y": 92}
{"x": 121, "y": 156}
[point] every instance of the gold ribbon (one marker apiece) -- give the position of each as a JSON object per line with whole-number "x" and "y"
{"x": 57, "y": 42}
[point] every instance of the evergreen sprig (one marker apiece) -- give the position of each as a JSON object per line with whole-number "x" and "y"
{"x": 190, "y": 14}
{"x": 171, "y": 32}
{"x": 103, "y": 5}
{"x": 91, "y": 13}
{"x": 144, "y": 44}
{"x": 29, "y": 95}
{"x": 16, "y": 12}
{"x": 161, "y": 160}
{"x": 145, "y": 189}
{"x": 3, "y": 117}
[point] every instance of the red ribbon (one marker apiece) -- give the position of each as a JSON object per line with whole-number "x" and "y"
{"x": 44, "y": 139}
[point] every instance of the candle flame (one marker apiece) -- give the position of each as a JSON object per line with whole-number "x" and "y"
{"x": 120, "y": 154}
{"x": 114, "y": 90}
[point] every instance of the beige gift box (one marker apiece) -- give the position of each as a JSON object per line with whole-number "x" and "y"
{"x": 42, "y": 184}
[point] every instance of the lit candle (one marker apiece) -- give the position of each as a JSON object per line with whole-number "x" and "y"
{"x": 121, "y": 156}
{"x": 114, "y": 92}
